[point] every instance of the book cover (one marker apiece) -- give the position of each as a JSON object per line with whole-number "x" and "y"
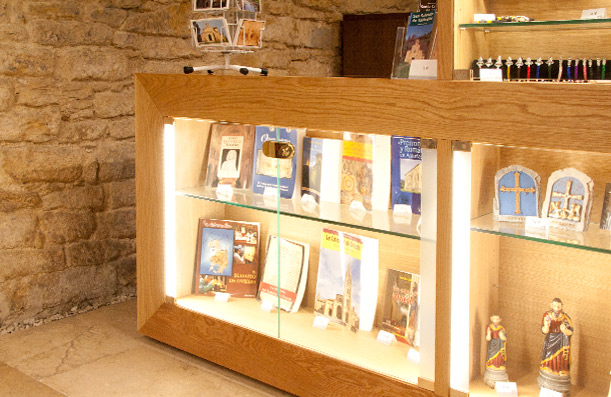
{"x": 267, "y": 169}
{"x": 347, "y": 283}
{"x": 321, "y": 154}
{"x": 406, "y": 170}
{"x": 286, "y": 263}
{"x": 414, "y": 42}
{"x": 240, "y": 248}
{"x": 401, "y": 305}
{"x": 230, "y": 155}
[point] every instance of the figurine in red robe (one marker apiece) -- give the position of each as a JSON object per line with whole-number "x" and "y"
{"x": 495, "y": 335}
{"x": 558, "y": 328}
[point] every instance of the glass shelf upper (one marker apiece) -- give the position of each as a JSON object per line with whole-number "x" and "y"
{"x": 385, "y": 222}
{"x": 593, "y": 239}
{"x": 570, "y": 24}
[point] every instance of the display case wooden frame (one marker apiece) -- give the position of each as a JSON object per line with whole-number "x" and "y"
{"x": 444, "y": 110}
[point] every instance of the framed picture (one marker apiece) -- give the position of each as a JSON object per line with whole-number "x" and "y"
{"x": 249, "y": 5}
{"x": 206, "y": 5}
{"x": 210, "y": 32}
{"x": 248, "y": 33}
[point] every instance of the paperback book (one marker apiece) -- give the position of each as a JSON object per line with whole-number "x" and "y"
{"x": 347, "y": 284}
{"x": 285, "y": 273}
{"x": 401, "y": 306}
{"x": 417, "y": 41}
{"x": 230, "y": 155}
{"x": 406, "y": 166}
{"x": 227, "y": 258}
{"x": 321, "y": 174}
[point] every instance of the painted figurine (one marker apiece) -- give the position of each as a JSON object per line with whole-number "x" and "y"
{"x": 554, "y": 370}
{"x": 496, "y": 354}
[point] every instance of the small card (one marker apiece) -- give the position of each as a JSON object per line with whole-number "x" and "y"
{"x": 385, "y": 337}
{"x": 402, "y": 209}
{"x": 506, "y": 389}
{"x": 221, "y": 297}
{"x": 320, "y": 322}
{"x": 549, "y": 393}
{"x": 224, "y": 192}
{"x": 491, "y": 75}
{"x": 413, "y": 356}
{"x": 267, "y": 306}
{"x": 536, "y": 223}
{"x": 270, "y": 191}
{"x": 423, "y": 69}
{"x": 594, "y": 13}
{"x": 483, "y": 18}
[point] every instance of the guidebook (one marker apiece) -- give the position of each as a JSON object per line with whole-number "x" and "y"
{"x": 230, "y": 155}
{"x": 401, "y": 306}
{"x": 347, "y": 284}
{"x": 415, "y": 42}
{"x": 322, "y": 161}
{"x": 406, "y": 166}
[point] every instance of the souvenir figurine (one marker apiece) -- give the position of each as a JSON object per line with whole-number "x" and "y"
{"x": 568, "y": 200}
{"x": 554, "y": 369}
{"x": 516, "y": 194}
{"x": 496, "y": 353}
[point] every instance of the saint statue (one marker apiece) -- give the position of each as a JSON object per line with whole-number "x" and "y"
{"x": 496, "y": 353}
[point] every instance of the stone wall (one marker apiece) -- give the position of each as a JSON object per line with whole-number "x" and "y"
{"x": 67, "y": 197}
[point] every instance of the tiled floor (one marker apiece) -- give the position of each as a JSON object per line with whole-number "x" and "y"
{"x": 100, "y": 353}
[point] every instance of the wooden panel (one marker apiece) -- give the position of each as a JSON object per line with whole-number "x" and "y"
{"x": 484, "y": 165}
{"x": 445, "y": 39}
{"x": 442, "y": 109}
{"x": 191, "y": 144}
{"x": 306, "y": 373}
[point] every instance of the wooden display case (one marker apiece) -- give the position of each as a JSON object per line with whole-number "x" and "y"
{"x": 507, "y": 271}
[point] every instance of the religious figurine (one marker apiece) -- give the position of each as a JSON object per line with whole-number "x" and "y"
{"x": 516, "y": 193}
{"x": 568, "y": 200}
{"x": 496, "y": 354}
{"x": 554, "y": 369}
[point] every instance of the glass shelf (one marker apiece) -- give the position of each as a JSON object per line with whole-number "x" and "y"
{"x": 592, "y": 240}
{"x": 571, "y": 24}
{"x": 376, "y": 221}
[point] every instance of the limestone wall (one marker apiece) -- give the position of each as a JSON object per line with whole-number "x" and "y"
{"x": 67, "y": 197}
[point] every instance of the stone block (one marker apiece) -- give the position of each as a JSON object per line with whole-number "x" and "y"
{"x": 62, "y": 226}
{"x": 120, "y": 194}
{"x": 11, "y": 32}
{"x": 69, "y": 33}
{"x": 7, "y": 93}
{"x": 280, "y": 29}
{"x": 97, "y": 252}
{"x": 30, "y": 124}
{"x": 18, "y": 263}
{"x": 14, "y": 199}
{"x": 93, "y": 63}
{"x": 114, "y": 104}
{"x": 116, "y": 161}
{"x": 78, "y": 284}
{"x": 125, "y": 4}
{"x": 155, "y": 47}
{"x": 75, "y": 198}
{"x": 52, "y": 10}
{"x": 26, "y": 60}
{"x": 123, "y": 128}
{"x": 119, "y": 223}
{"x": 37, "y": 92}
{"x": 126, "y": 275}
{"x": 43, "y": 163}
{"x": 112, "y": 17}
{"x": 18, "y": 230}
{"x": 75, "y": 131}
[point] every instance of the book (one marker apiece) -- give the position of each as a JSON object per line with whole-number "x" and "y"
{"x": 266, "y": 170}
{"x": 286, "y": 264}
{"x": 347, "y": 283}
{"x": 230, "y": 155}
{"x": 401, "y": 307}
{"x": 417, "y": 41}
{"x": 321, "y": 154}
{"x": 210, "y": 32}
{"x": 406, "y": 172}
{"x": 366, "y": 171}
{"x": 605, "y": 218}
{"x": 227, "y": 257}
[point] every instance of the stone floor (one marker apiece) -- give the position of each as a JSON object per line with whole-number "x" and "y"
{"x": 100, "y": 353}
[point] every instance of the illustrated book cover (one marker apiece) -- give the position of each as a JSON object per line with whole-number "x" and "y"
{"x": 227, "y": 258}
{"x": 406, "y": 169}
{"x": 347, "y": 283}
{"x": 366, "y": 171}
{"x": 321, "y": 170}
{"x": 286, "y": 264}
{"x": 417, "y": 41}
{"x": 230, "y": 155}
{"x": 267, "y": 169}
{"x": 210, "y": 32}
{"x": 401, "y": 306}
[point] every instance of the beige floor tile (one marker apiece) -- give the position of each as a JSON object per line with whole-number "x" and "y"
{"x": 14, "y": 383}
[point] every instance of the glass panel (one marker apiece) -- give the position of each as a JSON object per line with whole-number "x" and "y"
{"x": 565, "y": 25}
{"x": 519, "y": 266}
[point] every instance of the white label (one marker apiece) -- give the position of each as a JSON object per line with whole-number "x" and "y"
{"x": 478, "y": 18}
{"x": 385, "y": 337}
{"x": 423, "y": 69}
{"x": 221, "y": 297}
{"x": 267, "y": 306}
{"x": 308, "y": 202}
{"x": 490, "y": 75}
{"x": 270, "y": 191}
{"x": 533, "y": 222}
{"x": 549, "y": 393}
{"x": 402, "y": 209}
{"x": 595, "y": 13}
{"x": 320, "y": 322}
{"x": 506, "y": 389}
{"x": 413, "y": 356}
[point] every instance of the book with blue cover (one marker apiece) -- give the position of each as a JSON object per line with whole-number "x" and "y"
{"x": 406, "y": 172}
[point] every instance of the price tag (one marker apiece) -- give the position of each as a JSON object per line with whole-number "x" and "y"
{"x": 385, "y": 337}
{"x": 413, "y": 356}
{"x": 594, "y": 13}
{"x": 270, "y": 191}
{"x": 491, "y": 75}
{"x": 506, "y": 389}
{"x": 267, "y": 306}
{"x": 423, "y": 69}
{"x": 536, "y": 224}
{"x": 483, "y": 18}
{"x": 320, "y": 322}
{"x": 221, "y": 297}
{"x": 549, "y": 393}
